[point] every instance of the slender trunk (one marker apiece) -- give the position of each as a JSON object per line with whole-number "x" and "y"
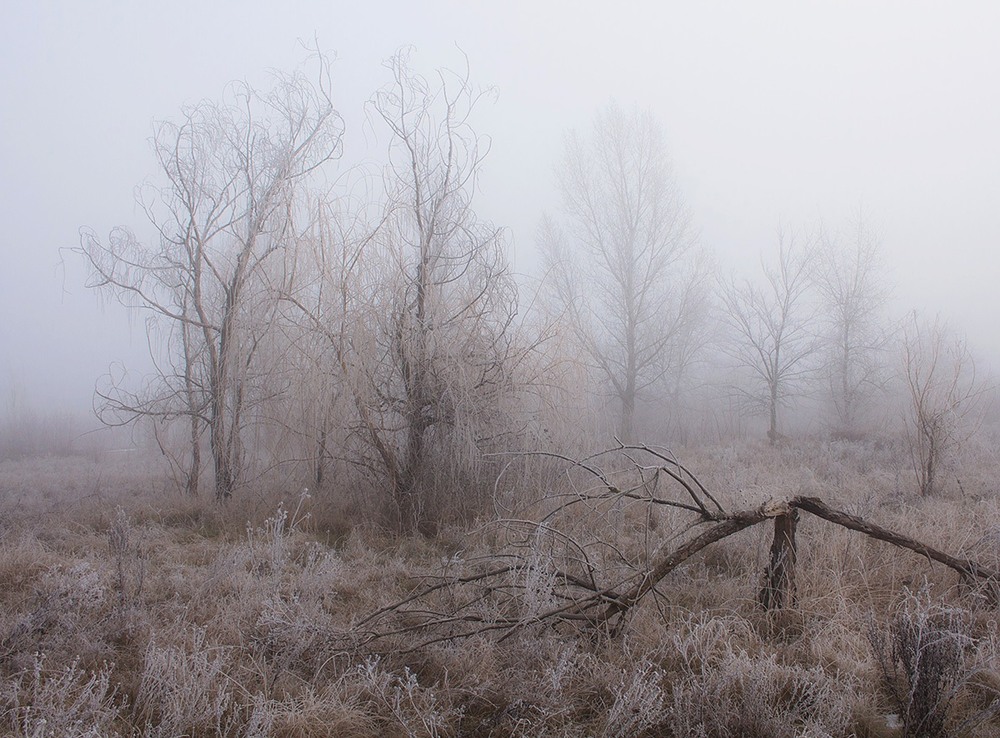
{"x": 224, "y": 478}
{"x": 628, "y": 416}
{"x": 217, "y": 436}
{"x": 219, "y": 441}
{"x": 775, "y": 391}
{"x": 847, "y": 409}
{"x": 194, "y": 473}
{"x": 415, "y": 356}
{"x": 408, "y": 492}
{"x": 321, "y": 455}
{"x": 631, "y": 360}
{"x": 772, "y": 429}
{"x": 406, "y": 489}
{"x": 930, "y": 467}
{"x": 220, "y": 448}
{"x": 411, "y": 348}
{"x": 225, "y": 419}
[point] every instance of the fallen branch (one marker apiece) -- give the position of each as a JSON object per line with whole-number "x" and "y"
{"x": 505, "y": 598}
{"x": 966, "y": 567}
{"x": 734, "y": 524}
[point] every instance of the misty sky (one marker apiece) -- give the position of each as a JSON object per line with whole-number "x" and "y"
{"x": 774, "y": 111}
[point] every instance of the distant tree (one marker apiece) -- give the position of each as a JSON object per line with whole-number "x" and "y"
{"x": 852, "y": 296}
{"x": 772, "y": 332}
{"x": 944, "y": 393}
{"x": 233, "y": 172}
{"x": 625, "y": 268}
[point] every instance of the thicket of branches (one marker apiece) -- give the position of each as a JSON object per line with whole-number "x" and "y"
{"x": 368, "y": 337}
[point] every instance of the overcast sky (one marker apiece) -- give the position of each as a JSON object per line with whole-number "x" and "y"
{"x": 773, "y": 111}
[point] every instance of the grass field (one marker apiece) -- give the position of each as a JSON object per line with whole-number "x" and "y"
{"x": 130, "y": 610}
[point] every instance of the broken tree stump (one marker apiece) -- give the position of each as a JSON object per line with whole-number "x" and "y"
{"x": 778, "y": 590}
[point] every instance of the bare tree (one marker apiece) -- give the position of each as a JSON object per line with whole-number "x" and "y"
{"x": 943, "y": 394}
{"x": 233, "y": 170}
{"x": 852, "y": 295}
{"x": 625, "y": 268}
{"x": 419, "y": 317}
{"x": 771, "y": 324}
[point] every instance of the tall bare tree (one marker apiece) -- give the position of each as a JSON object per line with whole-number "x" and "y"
{"x": 772, "y": 334}
{"x": 233, "y": 171}
{"x": 624, "y": 267}
{"x": 943, "y": 392}
{"x": 445, "y": 311}
{"x": 852, "y": 294}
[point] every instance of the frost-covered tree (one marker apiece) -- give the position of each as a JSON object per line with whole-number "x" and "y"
{"x": 852, "y": 296}
{"x": 771, "y": 330}
{"x": 233, "y": 171}
{"x": 622, "y": 261}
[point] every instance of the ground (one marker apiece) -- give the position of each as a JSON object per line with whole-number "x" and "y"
{"x": 128, "y": 609}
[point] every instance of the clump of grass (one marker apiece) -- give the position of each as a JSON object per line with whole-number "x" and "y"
{"x": 639, "y": 702}
{"x": 129, "y": 562}
{"x": 63, "y": 703}
{"x": 67, "y": 614}
{"x": 759, "y": 697}
{"x": 184, "y": 688}
{"x": 924, "y": 658}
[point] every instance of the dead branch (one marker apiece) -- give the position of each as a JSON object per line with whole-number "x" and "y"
{"x": 671, "y": 561}
{"x": 967, "y": 568}
{"x": 539, "y": 583}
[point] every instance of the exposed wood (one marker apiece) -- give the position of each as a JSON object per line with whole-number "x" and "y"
{"x": 779, "y": 578}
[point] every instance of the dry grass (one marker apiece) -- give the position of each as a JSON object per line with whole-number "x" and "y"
{"x": 129, "y": 611}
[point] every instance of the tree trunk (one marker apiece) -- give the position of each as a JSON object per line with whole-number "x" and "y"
{"x": 193, "y": 407}
{"x": 775, "y": 393}
{"x": 628, "y": 415}
{"x": 779, "y": 577}
{"x": 224, "y": 478}
{"x": 194, "y": 475}
{"x": 408, "y": 492}
{"x": 321, "y": 454}
{"x": 930, "y": 465}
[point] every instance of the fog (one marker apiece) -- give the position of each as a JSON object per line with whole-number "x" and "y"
{"x": 795, "y": 113}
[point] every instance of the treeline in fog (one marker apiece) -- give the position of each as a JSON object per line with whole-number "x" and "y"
{"x": 361, "y": 328}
